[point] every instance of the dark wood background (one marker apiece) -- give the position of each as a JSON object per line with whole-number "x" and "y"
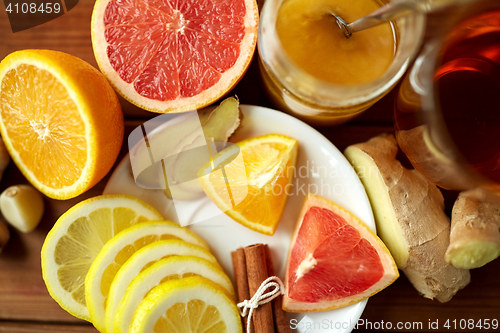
{"x": 25, "y": 305}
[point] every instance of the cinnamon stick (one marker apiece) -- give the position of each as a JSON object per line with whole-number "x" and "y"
{"x": 255, "y": 257}
{"x": 281, "y": 323}
{"x": 240, "y": 275}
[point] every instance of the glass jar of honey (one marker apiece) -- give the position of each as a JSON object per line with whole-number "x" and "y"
{"x": 312, "y": 71}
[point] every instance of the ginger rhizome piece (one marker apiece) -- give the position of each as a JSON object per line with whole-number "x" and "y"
{"x": 475, "y": 229}
{"x": 409, "y": 212}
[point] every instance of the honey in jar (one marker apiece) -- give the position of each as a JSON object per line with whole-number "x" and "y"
{"x": 312, "y": 71}
{"x": 313, "y": 41}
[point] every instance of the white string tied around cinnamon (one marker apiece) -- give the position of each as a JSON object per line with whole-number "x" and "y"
{"x": 259, "y": 298}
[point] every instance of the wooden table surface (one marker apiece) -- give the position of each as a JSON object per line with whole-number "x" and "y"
{"x": 25, "y": 305}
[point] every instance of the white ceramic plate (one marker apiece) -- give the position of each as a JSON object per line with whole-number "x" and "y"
{"x": 321, "y": 169}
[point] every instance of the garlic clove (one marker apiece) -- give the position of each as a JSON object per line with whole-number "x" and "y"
{"x": 22, "y": 206}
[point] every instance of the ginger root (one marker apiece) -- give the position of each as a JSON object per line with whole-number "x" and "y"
{"x": 475, "y": 229}
{"x": 410, "y": 218}
{"x": 428, "y": 159}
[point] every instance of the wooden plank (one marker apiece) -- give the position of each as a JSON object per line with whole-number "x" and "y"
{"x": 400, "y": 302}
{"x": 18, "y": 327}
{"x": 23, "y": 295}
{"x": 69, "y": 33}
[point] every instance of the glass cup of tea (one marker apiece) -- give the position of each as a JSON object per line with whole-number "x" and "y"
{"x": 447, "y": 113}
{"x": 312, "y": 71}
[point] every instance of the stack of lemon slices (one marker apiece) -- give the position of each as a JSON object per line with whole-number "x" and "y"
{"x": 113, "y": 261}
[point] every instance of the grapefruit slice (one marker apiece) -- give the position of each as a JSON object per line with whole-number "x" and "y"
{"x": 334, "y": 260}
{"x": 174, "y": 56}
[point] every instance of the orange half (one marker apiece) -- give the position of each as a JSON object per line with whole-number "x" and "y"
{"x": 60, "y": 120}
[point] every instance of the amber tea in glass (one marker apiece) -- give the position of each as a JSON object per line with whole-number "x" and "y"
{"x": 451, "y": 131}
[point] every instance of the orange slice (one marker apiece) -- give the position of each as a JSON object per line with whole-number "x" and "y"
{"x": 252, "y": 187}
{"x": 334, "y": 260}
{"x": 174, "y": 56}
{"x": 60, "y": 120}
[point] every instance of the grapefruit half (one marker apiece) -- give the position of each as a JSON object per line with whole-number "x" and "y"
{"x": 174, "y": 55}
{"x": 334, "y": 260}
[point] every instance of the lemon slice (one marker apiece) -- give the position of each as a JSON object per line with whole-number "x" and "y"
{"x": 117, "y": 251}
{"x": 60, "y": 120}
{"x": 257, "y": 197}
{"x": 164, "y": 270}
{"x": 145, "y": 258}
{"x": 193, "y": 304}
{"x": 76, "y": 239}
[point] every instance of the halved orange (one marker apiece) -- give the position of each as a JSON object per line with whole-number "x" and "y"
{"x": 60, "y": 120}
{"x": 334, "y": 259}
{"x": 174, "y": 55}
{"x": 253, "y": 187}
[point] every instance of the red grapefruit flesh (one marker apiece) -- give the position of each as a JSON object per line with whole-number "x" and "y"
{"x": 174, "y": 55}
{"x": 334, "y": 260}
